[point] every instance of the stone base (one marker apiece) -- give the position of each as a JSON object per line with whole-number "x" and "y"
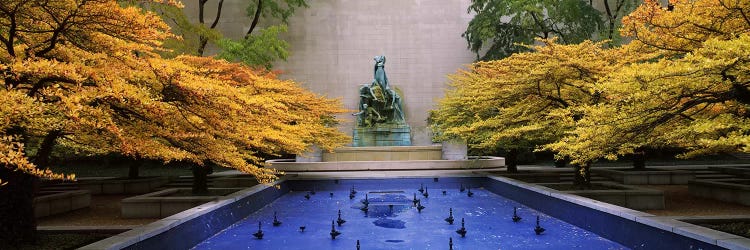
{"x": 382, "y": 135}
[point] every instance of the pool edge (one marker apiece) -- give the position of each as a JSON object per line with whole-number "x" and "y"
{"x": 649, "y": 228}
{"x": 658, "y": 229}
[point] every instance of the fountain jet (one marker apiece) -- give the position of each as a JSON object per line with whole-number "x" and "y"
{"x": 334, "y": 233}
{"x": 450, "y": 217}
{"x": 259, "y": 234}
{"x": 276, "y": 222}
{"x": 538, "y": 230}
{"x": 516, "y": 218}
{"x": 339, "y": 220}
{"x": 462, "y": 231}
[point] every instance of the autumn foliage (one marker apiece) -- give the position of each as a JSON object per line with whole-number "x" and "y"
{"x": 87, "y": 74}
{"x": 682, "y": 82}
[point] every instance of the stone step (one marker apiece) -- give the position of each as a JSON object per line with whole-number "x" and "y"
{"x": 715, "y": 176}
{"x": 741, "y": 156}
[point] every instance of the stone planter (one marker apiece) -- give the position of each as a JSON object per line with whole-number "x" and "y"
{"x": 54, "y": 202}
{"x": 533, "y": 177}
{"x": 621, "y": 195}
{"x": 234, "y": 181}
{"x": 729, "y": 190}
{"x": 164, "y": 203}
{"x": 646, "y": 177}
{"x": 740, "y": 171}
{"x": 122, "y": 185}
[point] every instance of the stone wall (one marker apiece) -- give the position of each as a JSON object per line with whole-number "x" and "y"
{"x": 334, "y": 41}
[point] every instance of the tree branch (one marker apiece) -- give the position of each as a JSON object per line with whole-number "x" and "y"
{"x": 218, "y": 14}
{"x": 255, "y": 19}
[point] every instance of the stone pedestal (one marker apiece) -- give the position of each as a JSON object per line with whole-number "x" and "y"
{"x": 455, "y": 150}
{"x": 382, "y": 135}
{"x": 314, "y": 154}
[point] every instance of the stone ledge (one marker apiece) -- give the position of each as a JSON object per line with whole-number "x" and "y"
{"x": 646, "y": 177}
{"x": 86, "y": 229}
{"x": 121, "y": 185}
{"x": 626, "y": 196}
{"x": 141, "y": 233}
{"x": 389, "y": 148}
{"x": 288, "y": 165}
{"x": 61, "y": 202}
{"x": 157, "y": 205}
{"x": 729, "y": 190}
{"x": 669, "y": 224}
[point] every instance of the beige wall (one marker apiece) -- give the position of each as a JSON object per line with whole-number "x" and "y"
{"x": 334, "y": 41}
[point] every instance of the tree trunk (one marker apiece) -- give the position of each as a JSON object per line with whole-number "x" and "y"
{"x": 134, "y": 169}
{"x": 17, "y": 221}
{"x": 200, "y": 179}
{"x": 561, "y": 163}
{"x": 511, "y": 161}
{"x": 582, "y": 178}
{"x": 639, "y": 159}
{"x": 41, "y": 160}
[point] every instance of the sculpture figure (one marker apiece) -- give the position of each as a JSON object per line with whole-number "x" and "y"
{"x": 378, "y": 103}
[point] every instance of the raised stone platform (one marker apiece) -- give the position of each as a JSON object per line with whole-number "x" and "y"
{"x": 446, "y": 156}
{"x": 289, "y": 165}
{"x": 382, "y": 135}
{"x": 393, "y": 153}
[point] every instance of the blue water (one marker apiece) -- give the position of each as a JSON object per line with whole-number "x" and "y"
{"x": 393, "y": 223}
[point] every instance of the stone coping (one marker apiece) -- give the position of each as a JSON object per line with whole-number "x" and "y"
{"x": 669, "y": 224}
{"x": 140, "y": 233}
{"x": 289, "y": 165}
{"x": 731, "y": 241}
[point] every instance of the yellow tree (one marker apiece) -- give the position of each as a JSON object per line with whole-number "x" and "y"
{"x": 87, "y": 74}
{"x": 696, "y": 97}
{"x": 527, "y": 99}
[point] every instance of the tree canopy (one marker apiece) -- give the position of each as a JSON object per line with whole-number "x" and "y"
{"x": 695, "y": 97}
{"x": 88, "y": 74}
{"x": 527, "y": 99}
{"x": 261, "y": 45}
{"x": 500, "y": 27}
{"x": 682, "y": 82}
